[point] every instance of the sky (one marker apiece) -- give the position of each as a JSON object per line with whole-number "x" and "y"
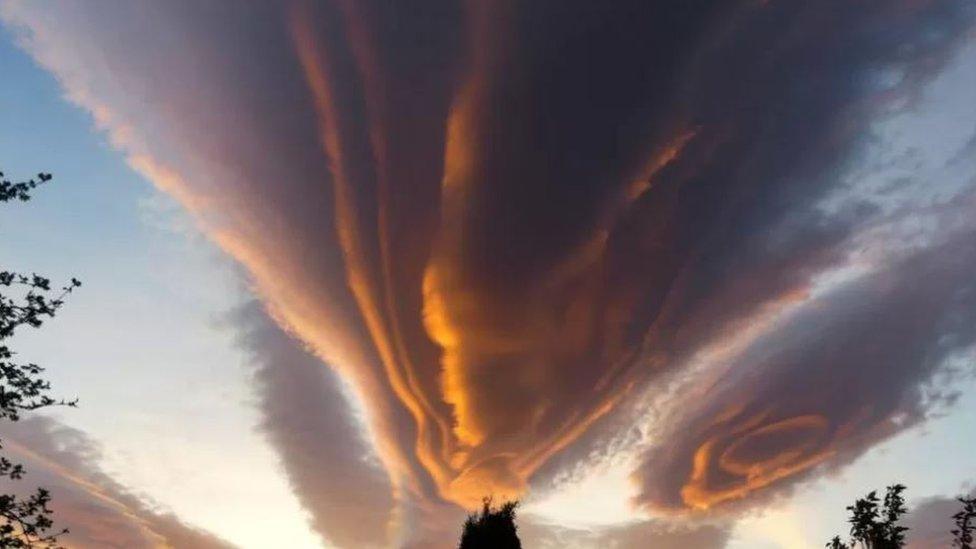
{"x": 690, "y": 273}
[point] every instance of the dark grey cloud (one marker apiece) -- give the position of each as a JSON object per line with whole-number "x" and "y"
{"x": 930, "y": 522}
{"x": 308, "y": 420}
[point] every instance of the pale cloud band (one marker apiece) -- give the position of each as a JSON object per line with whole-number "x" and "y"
{"x": 98, "y": 511}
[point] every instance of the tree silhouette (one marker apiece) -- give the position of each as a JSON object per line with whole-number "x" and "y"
{"x": 836, "y": 543}
{"x": 26, "y": 301}
{"x": 493, "y": 528}
{"x": 875, "y": 524}
{"x": 965, "y": 530}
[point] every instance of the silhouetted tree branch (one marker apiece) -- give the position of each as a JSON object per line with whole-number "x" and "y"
{"x": 875, "y": 524}
{"x": 28, "y": 300}
{"x": 965, "y": 519}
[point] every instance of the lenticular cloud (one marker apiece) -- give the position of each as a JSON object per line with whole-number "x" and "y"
{"x": 503, "y": 223}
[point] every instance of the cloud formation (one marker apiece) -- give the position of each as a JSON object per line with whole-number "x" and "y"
{"x": 869, "y": 347}
{"x": 930, "y": 522}
{"x": 309, "y": 422}
{"x": 503, "y": 223}
{"x": 98, "y": 511}
{"x": 627, "y": 536}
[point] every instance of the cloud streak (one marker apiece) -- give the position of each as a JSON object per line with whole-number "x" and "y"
{"x": 98, "y": 511}
{"x": 627, "y": 536}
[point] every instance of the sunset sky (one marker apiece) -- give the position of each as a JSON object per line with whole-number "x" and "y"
{"x": 673, "y": 273}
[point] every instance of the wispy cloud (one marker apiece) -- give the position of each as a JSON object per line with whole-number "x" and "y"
{"x": 98, "y": 511}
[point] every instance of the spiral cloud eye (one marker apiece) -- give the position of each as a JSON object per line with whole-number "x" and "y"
{"x": 839, "y": 373}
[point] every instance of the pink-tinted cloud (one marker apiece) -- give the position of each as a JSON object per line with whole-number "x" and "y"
{"x": 98, "y": 511}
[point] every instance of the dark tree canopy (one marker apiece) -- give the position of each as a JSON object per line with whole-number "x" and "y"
{"x": 492, "y": 528}
{"x": 875, "y": 524}
{"x": 965, "y": 531}
{"x": 27, "y": 300}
